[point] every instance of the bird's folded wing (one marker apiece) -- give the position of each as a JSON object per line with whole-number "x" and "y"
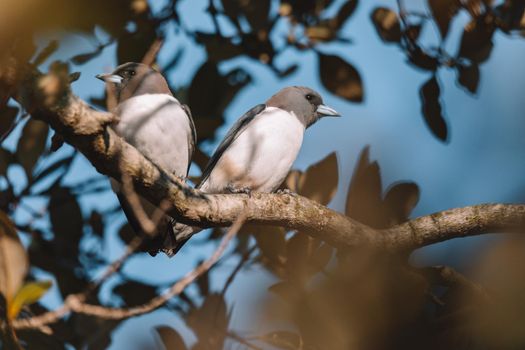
{"x": 232, "y": 134}
{"x": 192, "y": 137}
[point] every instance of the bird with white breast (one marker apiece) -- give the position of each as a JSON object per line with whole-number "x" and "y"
{"x": 260, "y": 149}
{"x": 152, "y": 120}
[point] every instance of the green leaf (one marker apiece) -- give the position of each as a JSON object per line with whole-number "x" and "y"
{"x": 13, "y": 259}
{"x": 30, "y": 293}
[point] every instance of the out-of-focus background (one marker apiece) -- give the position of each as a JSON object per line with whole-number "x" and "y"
{"x": 431, "y": 94}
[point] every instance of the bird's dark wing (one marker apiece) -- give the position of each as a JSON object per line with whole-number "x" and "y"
{"x": 151, "y": 244}
{"x": 192, "y": 139}
{"x": 232, "y": 134}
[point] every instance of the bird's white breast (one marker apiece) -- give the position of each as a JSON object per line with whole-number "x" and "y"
{"x": 262, "y": 155}
{"x": 159, "y": 128}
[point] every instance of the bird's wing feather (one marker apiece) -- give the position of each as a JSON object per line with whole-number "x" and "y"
{"x": 192, "y": 137}
{"x": 232, "y": 134}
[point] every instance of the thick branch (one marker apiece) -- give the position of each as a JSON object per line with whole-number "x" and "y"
{"x": 88, "y": 131}
{"x": 456, "y": 223}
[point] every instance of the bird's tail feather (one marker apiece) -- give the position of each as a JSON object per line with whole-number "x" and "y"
{"x": 178, "y": 234}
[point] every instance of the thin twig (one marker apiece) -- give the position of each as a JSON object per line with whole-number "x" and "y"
{"x": 76, "y": 302}
{"x": 151, "y": 55}
{"x": 237, "y": 268}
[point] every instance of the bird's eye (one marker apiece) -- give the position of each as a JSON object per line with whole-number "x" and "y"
{"x": 309, "y": 97}
{"x": 132, "y": 72}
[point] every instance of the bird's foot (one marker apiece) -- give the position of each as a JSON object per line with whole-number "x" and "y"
{"x": 286, "y": 191}
{"x": 232, "y": 189}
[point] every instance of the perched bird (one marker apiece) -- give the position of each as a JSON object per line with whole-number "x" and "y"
{"x": 260, "y": 148}
{"x": 157, "y": 125}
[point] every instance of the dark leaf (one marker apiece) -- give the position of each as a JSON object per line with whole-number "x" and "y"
{"x": 135, "y": 293}
{"x": 431, "y": 109}
{"x": 171, "y": 339}
{"x": 400, "y": 200}
{"x": 422, "y": 60}
{"x": 46, "y": 52}
{"x": 271, "y": 242}
{"x": 319, "y": 181}
{"x": 298, "y": 250}
{"x": 345, "y": 12}
{"x": 255, "y": 11}
{"x": 413, "y": 31}
{"x": 340, "y": 77}
{"x": 209, "y": 322}
{"x": 57, "y": 141}
{"x": 218, "y": 48}
{"x": 96, "y": 221}
{"x": 66, "y": 222}
{"x": 210, "y": 93}
{"x": 306, "y": 11}
{"x": 476, "y": 42}
{"x": 364, "y": 199}
{"x": 83, "y": 58}
{"x": 31, "y": 144}
{"x": 74, "y": 76}
{"x": 469, "y": 77}
{"x": 126, "y": 233}
{"x": 133, "y": 46}
{"x": 511, "y": 15}
{"x": 6, "y": 158}
{"x": 387, "y": 24}
{"x": 7, "y": 117}
{"x": 443, "y": 11}
{"x": 91, "y": 333}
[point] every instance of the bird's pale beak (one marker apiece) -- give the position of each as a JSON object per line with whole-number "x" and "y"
{"x": 325, "y": 111}
{"x": 110, "y": 78}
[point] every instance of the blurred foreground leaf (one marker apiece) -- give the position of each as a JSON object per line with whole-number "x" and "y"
{"x": 13, "y": 259}
{"x": 30, "y": 293}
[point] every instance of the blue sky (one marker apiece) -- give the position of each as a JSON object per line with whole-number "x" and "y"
{"x": 482, "y": 162}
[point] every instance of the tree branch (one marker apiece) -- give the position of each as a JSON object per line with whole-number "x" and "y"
{"x": 456, "y": 223}
{"x": 76, "y": 302}
{"x": 88, "y": 131}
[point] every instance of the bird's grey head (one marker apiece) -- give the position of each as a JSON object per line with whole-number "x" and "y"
{"x": 134, "y": 79}
{"x": 304, "y": 102}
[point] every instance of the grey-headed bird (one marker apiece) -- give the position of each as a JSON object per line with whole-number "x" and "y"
{"x": 259, "y": 150}
{"x": 157, "y": 125}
